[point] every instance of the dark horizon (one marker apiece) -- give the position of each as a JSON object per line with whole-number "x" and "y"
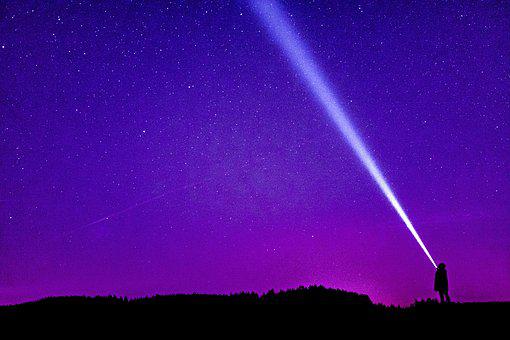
{"x": 155, "y": 147}
{"x": 303, "y": 294}
{"x": 309, "y": 304}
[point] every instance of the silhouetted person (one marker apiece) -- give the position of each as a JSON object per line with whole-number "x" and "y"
{"x": 441, "y": 283}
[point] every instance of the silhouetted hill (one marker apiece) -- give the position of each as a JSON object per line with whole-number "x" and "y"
{"x": 311, "y": 302}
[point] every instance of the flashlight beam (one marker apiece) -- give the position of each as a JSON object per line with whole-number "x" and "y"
{"x": 303, "y": 62}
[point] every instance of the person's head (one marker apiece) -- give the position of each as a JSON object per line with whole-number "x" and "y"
{"x": 441, "y": 266}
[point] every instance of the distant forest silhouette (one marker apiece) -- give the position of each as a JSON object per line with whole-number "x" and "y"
{"x": 333, "y": 302}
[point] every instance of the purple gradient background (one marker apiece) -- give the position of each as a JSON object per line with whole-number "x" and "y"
{"x": 104, "y": 105}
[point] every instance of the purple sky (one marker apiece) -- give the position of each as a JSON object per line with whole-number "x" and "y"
{"x": 185, "y": 125}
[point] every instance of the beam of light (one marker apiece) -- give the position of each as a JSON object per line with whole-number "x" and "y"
{"x": 287, "y": 38}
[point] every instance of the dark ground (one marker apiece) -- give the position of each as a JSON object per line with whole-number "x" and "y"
{"x": 315, "y": 302}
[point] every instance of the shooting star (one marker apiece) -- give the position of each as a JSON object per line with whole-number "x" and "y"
{"x": 134, "y": 206}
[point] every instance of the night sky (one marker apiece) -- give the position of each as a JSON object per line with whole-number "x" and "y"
{"x": 169, "y": 147}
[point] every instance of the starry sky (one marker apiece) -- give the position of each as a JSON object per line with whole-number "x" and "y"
{"x": 169, "y": 147}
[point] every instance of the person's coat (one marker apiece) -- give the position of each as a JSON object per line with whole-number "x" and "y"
{"x": 441, "y": 281}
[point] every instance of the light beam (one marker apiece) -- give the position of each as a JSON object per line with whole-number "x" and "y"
{"x": 303, "y": 62}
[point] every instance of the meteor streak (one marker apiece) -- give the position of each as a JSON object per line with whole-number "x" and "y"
{"x": 120, "y": 212}
{"x": 303, "y": 62}
{"x": 136, "y": 205}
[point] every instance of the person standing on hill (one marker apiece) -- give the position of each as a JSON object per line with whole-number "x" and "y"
{"x": 441, "y": 283}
